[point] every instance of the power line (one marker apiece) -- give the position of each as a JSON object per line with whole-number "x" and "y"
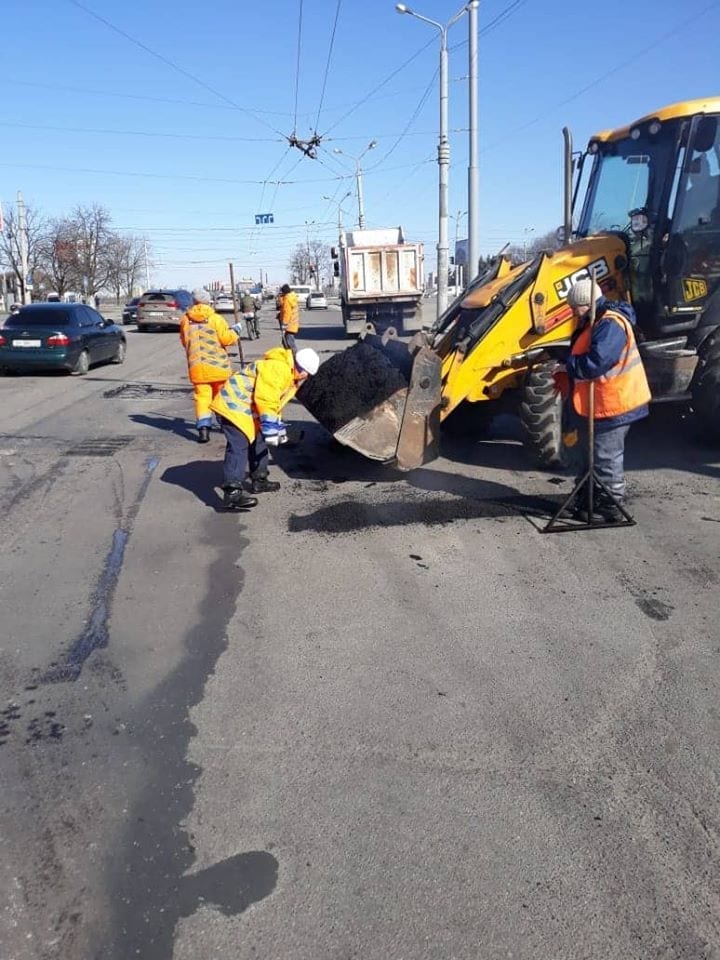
{"x": 630, "y": 61}
{"x": 382, "y": 83}
{"x": 171, "y": 63}
{"x": 297, "y": 66}
{"x": 138, "y": 133}
{"x": 413, "y": 118}
{"x": 495, "y": 22}
{"x": 327, "y": 65}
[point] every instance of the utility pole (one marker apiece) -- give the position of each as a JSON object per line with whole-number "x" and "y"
{"x": 361, "y": 199}
{"x": 147, "y": 267}
{"x": 443, "y": 154}
{"x": 235, "y": 310}
{"x": 473, "y": 165}
{"x": 23, "y": 243}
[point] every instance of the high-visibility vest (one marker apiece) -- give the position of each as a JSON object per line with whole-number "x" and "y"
{"x": 234, "y": 401}
{"x": 621, "y": 389}
{"x": 207, "y": 359}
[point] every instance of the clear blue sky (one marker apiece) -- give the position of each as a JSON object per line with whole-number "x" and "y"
{"x": 90, "y": 116}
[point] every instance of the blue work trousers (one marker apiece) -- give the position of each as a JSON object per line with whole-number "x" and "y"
{"x": 609, "y": 456}
{"x": 241, "y": 454}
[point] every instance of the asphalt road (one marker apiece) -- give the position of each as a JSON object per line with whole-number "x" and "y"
{"x": 380, "y": 716}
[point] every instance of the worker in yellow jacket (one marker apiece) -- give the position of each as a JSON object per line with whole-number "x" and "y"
{"x": 249, "y": 405}
{"x": 206, "y": 336}
{"x": 288, "y": 316}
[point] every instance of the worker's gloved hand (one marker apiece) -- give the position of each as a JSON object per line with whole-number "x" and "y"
{"x": 273, "y": 430}
{"x": 237, "y": 328}
{"x": 562, "y": 381}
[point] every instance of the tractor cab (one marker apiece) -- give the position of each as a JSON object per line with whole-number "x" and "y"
{"x": 657, "y": 183}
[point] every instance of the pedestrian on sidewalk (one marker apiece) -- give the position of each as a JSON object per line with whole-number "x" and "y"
{"x": 249, "y": 406}
{"x": 206, "y": 336}
{"x": 249, "y": 307}
{"x": 288, "y": 315}
{"x": 607, "y": 355}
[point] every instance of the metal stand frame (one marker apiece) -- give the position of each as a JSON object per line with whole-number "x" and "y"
{"x": 590, "y": 477}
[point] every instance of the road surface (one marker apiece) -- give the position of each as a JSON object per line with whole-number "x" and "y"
{"x": 380, "y": 716}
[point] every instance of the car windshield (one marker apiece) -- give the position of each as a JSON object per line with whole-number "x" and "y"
{"x": 627, "y": 174}
{"x": 39, "y": 317}
{"x": 158, "y": 297}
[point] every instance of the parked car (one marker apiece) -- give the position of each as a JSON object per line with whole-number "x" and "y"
{"x": 59, "y": 336}
{"x": 129, "y": 314}
{"x": 162, "y": 308}
{"x": 223, "y": 304}
{"x": 316, "y": 300}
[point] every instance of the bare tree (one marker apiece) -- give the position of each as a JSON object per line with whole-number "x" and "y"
{"x": 89, "y": 230}
{"x": 310, "y": 262}
{"x": 10, "y": 245}
{"x": 59, "y": 257}
{"x": 549, "y": 241}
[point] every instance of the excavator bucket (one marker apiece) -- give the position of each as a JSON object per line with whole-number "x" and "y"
{"x": 380, "y": 399}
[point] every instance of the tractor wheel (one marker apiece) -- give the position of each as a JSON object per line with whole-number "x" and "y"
{"x": 541, "y": 414}
{"x": 706, "y": 396}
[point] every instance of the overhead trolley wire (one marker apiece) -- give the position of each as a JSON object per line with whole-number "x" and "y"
{"x": 172, "y": 64}
{"x": 380, "y": 85}
{"x": 297, "y": 66}
{"x": 327, "y": 64}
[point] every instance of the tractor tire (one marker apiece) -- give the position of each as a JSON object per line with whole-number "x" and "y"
{"x": 706, "y": 396}
{"x": 541, "y": 415}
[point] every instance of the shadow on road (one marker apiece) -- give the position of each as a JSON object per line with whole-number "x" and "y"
{"x": 199, "y": 477}
{"x": 177, "y": 425}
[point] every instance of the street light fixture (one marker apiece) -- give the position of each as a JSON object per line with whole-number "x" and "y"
{"x": 358, "y": 177}
{"x": 338, "y": 204}
{"x": 443, "y": 152}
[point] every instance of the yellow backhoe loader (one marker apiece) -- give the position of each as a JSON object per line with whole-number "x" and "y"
{"x": 646, "y": 223}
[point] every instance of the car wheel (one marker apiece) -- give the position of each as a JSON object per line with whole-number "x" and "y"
{"x": 82, "y": 364}
{"x": 119, "y": 355}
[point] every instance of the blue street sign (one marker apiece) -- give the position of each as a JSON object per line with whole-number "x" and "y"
{"x": 264, "y": 218}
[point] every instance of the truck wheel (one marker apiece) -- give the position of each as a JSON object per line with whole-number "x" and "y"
{"x": 706, "y": 396}
{"x": 541, "y": 414}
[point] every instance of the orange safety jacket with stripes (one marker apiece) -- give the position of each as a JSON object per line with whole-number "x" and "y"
{"x": 261, "y": 388}
{"x": 205, "y": 336}
{"x": 624, "y": 388}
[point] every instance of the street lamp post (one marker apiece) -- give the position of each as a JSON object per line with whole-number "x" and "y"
{"x": 473, "y": 152}
{"x": 338, "y": 204}
{"x": 358, "y": 178}
{"x": 443, "y": 154}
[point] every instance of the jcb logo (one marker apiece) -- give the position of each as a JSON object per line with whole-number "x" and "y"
{"x": 598, "y": 268}
{"x": 694, "y": 289}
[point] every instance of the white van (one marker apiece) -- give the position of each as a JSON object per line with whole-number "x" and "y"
{"x": 302, "y": 290}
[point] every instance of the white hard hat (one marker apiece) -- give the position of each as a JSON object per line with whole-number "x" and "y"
{"x": 201, "y": 296}
{"x": 307, "y": 360}
{"x": 583, "y": 292}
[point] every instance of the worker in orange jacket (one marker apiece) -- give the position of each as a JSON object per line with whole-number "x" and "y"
{"x": 249, "y": 405}
{"x": 206, "y": 336}
{"x": 288, "y": 316}
{"x": 606, "y": 354}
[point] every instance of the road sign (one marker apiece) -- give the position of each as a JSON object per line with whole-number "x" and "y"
{"x": 264, "y": 218}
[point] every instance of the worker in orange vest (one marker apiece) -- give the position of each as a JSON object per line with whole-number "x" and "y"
{"x": 289, "y": 316}
{"x": 606, "y": 354}
{"x": 205, "y": 336}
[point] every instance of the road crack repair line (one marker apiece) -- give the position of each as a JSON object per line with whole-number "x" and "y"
{"x": 95, "y": 635}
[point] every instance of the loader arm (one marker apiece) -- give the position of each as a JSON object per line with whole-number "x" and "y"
{"x": 387, "y": 399}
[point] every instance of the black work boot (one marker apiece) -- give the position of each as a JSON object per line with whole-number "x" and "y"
{"x": 203, "y": 434}
{"x": 263, "y": 485}
{"x": 235, "y": 498}
{"x": 608, "y": 509}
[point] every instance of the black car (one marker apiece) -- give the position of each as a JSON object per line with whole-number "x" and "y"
{"x": 129, "y": 314}
{"x": 59, "y": 336}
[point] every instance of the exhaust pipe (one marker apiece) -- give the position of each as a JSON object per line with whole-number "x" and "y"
{"x": 567, "y": 186}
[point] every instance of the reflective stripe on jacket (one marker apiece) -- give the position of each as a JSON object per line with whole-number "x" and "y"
{"x": 260, "y": 388}
{"x": 205, "y": 335}
{"x": 623, "y": 388}
{"x": 290, "y": 312}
